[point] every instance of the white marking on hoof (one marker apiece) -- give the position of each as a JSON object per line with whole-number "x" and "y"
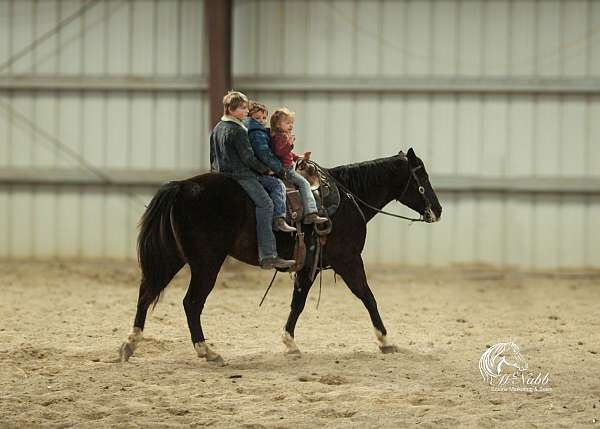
{"x": 382, "y": 339}
{"x": 128, "y": 347}
{"x": 206, "y": 352}
{"x": 384, "y": 346}
{"x": 125, "y": 352}
{"x": 290, "y": 344}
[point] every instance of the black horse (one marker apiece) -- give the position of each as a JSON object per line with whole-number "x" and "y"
{"x": 201, "y": 220}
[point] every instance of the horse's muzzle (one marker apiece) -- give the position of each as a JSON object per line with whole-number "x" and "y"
{"x": 430, "y": 216}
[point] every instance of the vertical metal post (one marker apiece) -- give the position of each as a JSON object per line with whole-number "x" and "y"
{"x": 218, "y": 15}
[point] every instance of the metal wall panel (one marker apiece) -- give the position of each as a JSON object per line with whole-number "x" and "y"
{"x": 113, "y": 129}
{"x": 496, "y": 136}
{"x": 418, "y": 38}
{"x": 112, "y": 37}
{"x": 139, "y": 130}
{"x": 483, "y": 133}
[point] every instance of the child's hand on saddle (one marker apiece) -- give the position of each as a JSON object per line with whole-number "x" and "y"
{"x": 307, "y": 156}
{"x": 281, "y": 175}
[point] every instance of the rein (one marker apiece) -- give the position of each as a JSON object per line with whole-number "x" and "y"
{"x": 354, "y": 198}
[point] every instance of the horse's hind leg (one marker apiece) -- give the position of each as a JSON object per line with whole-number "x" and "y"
{"x": 301, "y": 288}
{"x": 128, "y": 347}
{"x": 204, "y": 275}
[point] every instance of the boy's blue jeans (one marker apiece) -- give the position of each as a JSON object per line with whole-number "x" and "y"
{"x": 267, "y": 246}
{"x": 276, "y": 190}
{"x": 310, "y": 205}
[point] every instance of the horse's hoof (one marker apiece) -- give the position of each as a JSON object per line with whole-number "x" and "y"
{"x": 216, "y": 361}
{"x": 390, "y": 348}
{"x": 290, "y": 345}
{"x": 125, "y": 352}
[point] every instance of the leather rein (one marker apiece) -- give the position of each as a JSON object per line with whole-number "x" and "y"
{"x": 354, "y": 198}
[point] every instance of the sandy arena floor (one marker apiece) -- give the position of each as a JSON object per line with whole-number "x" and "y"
{"x": 61, "y": 325}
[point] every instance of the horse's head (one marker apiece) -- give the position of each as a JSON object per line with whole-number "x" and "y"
{"x": 417, "y": 192}
{"x": 513, "y": 357}
{"x": 499, "y": 355}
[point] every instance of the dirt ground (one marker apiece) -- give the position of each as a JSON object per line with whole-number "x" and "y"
{"x": 61, "y": 324}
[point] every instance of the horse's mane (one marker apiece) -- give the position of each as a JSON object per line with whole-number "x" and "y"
{"x": 486, "y": 363}
{"x": 360, "y": 177}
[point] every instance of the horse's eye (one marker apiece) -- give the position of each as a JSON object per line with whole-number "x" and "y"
{"x": 421, "y": 190}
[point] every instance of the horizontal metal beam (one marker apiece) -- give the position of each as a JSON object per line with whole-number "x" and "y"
{"x": 76, "y": 177}
{"x": 430, "y": 84}
{"x": 103, "y": 83}
{"x": 376, "y": 84}
{"x": 154, "y": 178}
{"x": 517, "y": 184}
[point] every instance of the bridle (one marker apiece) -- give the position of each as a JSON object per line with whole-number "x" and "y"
{"x": 420, "y": 188}
{"x": 354, "y": 198}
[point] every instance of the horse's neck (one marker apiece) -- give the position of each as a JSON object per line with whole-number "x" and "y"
{"x": 499, "y": 363}
{"x": 377, "y": 196}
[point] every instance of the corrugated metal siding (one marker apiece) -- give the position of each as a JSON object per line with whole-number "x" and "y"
{"x": 547, "y": 38}
{"x": 114, "y": 129}
{"x": 491, "y": 134}
{"x": 488, "y": 136}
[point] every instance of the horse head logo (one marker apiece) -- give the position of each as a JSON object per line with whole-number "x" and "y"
{"x": 499, "y": 355}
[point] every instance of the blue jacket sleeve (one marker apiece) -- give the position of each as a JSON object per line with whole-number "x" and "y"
{"x": 260, "y": 144}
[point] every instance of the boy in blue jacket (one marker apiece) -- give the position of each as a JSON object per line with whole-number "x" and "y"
{"x": 259, "y": 140}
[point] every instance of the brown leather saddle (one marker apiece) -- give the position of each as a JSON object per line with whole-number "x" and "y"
{"x": 327, "y": 197}
{"x": 326, "y": 191}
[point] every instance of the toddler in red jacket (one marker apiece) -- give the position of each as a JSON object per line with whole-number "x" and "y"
{"x": 282, "y": 143}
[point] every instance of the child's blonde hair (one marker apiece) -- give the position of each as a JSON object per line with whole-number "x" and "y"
{"x": 278, "y": 115}
{"x": 233, "y": 100}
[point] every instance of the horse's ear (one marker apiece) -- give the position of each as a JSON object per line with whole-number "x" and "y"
{"x": 402, "y": 156}
{"x": 411, "y": 153}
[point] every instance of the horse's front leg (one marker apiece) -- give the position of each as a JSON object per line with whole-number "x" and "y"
{"x": 301, "y": 287}
{"x": 353, "y": 272}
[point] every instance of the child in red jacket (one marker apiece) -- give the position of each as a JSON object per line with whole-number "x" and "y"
{"x": 282, "y": 143}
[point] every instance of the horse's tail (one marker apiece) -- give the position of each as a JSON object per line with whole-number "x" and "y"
{"x": 159, "y": 249}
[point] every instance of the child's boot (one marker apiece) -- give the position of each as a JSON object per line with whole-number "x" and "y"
{"x": 314, "y": 218}
{"x": 276, "y": 262}
{"x": 282, "y": 225}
